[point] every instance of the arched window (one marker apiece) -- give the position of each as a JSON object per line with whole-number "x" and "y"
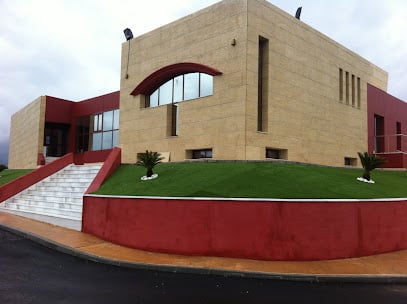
{"x": 182, "y": 87}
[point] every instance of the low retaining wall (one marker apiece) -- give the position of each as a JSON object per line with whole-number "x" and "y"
{"x": 110, "y": 165}
{"x": 255, "y": 229}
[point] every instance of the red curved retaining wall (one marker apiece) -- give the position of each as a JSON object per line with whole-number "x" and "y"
{"x": 267, "y": 230}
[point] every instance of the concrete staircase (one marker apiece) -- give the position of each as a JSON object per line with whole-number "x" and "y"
{"x": 58, "y": 199}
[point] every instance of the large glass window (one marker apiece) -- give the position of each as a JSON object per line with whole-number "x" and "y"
{"x": 183, "y": 87}
{"x": 108, "y": 121}
{"x": 97, "y": 141}
{"x": 191, "y": 86}
{"x": 179, "y": 88}
{"x": 206, "y": 87}
{"x": 165, "y": 93}
{"x": 97, "y": 132}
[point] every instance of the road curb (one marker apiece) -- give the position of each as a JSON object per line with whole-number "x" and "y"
{"x": 310, "y": 278}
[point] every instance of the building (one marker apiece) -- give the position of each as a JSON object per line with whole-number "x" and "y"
{"x": 52, "y": 127}
{"x": 239, "y": 80}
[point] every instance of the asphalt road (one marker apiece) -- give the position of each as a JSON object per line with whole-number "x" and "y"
{"x": 32, "y": 273}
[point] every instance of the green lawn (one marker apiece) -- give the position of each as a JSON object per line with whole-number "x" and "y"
{"x": 257, "y": 180}
{"x": 9, "y": 175}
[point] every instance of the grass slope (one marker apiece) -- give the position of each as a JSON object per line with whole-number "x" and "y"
{"x": 8, "y": 175}
{"x": 256, "y": 180}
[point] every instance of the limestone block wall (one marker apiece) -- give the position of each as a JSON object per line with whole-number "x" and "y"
{"x": 26, "y": 135}
{"x": 216, "y": 121}
{"x": 315, "y": 91}
{"x": 305, "y": 114}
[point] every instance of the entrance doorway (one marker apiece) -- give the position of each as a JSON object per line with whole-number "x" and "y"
{"x": 56, "y": 139}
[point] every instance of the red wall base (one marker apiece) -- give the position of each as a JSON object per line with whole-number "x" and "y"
{"x": 289, "y": 231}
{"x": 394, "y": 160}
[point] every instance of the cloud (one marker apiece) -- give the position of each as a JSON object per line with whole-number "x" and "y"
{"x": 3, "y": 152}
{"x": 373, "y": 29}
{"x": 70, "y": 49}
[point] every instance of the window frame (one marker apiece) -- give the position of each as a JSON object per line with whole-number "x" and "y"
{"x": 97, "y": 129}
{"x": 175, "y": 100}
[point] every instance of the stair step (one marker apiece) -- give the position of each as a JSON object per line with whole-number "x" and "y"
{"x": 66, "y": 179}
{"x": 72, "y": 198}
{"x": 48, "y": 204}
{"x": 57, "y": 189}
{"x": 64, "y": 184}
{"x": 33, "y": 193}
{"x": 71, "y": 214}
{"x": 59, "y": 196}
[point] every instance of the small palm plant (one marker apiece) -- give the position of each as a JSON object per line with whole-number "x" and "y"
{"x": 369, "y": 163}
{"x": 149, "y": 160}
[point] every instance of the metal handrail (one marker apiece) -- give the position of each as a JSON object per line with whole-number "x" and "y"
{"x": 390, "y": 143}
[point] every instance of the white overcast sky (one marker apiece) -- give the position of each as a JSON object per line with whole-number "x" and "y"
{"x": 71, "y": 48}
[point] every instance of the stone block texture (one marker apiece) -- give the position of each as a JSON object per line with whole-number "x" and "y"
{"x": 303, "y": 111}
{"x": 27, "y": 135}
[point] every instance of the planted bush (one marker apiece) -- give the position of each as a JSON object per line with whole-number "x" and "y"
{"x": 369, "y": 163}
{"x": 149, "y": 160}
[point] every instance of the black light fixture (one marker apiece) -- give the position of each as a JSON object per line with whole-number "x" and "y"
{"x": 128, "y": 34}
{"x": 298, "y": 13}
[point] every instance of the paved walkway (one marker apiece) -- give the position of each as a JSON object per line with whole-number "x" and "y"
{"x": 388, "y": 267}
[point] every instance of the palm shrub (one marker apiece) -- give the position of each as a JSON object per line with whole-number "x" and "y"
{"x": 149, "y": 160}
{"x": 369, "y": 163}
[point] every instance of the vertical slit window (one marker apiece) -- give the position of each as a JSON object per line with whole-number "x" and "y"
{"x": 353, "y": 91}
{"x": 174, "y": 120}
{"x": 358, "y": 91}
{"x": 262, "y": 84}
{"x": 398, "y": 130}
{"x": 347, "y": 87}
{"x": 340, "y": 84}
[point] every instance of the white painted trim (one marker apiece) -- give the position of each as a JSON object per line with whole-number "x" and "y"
{"x": 240, "y": 199}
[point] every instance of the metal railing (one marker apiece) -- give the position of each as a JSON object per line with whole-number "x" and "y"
{"x": 396, "y": 143}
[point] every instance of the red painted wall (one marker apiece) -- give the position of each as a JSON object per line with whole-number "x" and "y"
{"x": 64, "y": 111}
{"x": 249, "y": 229}
{"x": 58, "y": 110}
{"x": 110, "y": 165}
{"x": 98, "y": 104}
{"x": 91, "y": 106}
{"x": 393, "y": 110}
{"x": 92, "y": 156}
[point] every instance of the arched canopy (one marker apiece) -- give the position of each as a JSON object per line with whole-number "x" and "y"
{"x": 154, "y": 80}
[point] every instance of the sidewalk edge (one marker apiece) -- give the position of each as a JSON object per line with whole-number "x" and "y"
{"x": 311, "y": 278}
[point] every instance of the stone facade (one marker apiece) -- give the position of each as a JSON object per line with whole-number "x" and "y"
{"x": 27, "y": 135}
{"x": 281, "y": 89}
{"x": 305, "y": 114}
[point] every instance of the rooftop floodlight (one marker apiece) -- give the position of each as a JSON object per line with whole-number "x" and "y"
{"x": 298, "y": 13}
{"x": 128, "y": 34}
